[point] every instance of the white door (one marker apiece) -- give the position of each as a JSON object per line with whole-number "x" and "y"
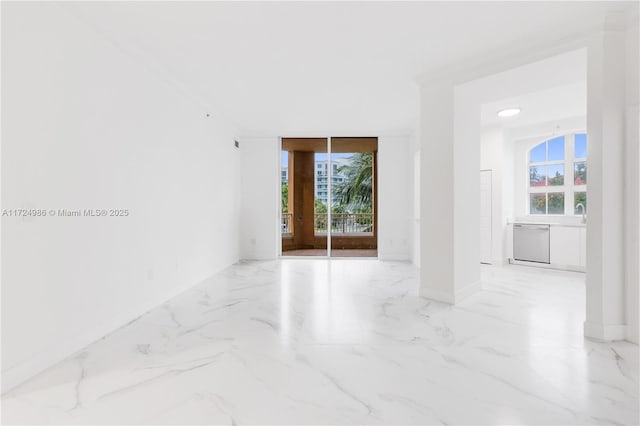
{"x": 485, "y": 216}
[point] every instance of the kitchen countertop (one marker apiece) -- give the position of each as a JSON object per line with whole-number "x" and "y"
{"x": 570, "y": 224}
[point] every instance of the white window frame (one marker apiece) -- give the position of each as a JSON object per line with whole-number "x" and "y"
{"x": 568, "y": 188}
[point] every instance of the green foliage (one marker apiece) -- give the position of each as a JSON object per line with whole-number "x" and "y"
{"x": 579, "y": 198}
{"x": 558, "y": 179}
{"x": 535, "y": 178}
{"x": 580, "y": 173}
{"x": 320, "y": 207}
{"x": 356, "y": 192}
{"x": 285, "y": 198}
{"x": 339, "y": 209}
{"x": 556, "y": 203}
{"x": 538, "y": 204}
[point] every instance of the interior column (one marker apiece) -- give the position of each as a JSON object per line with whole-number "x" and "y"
{"x": 449, "y": 194}
{"x": 605, "y": 128}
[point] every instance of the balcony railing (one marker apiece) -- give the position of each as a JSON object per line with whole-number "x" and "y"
{"x": 341, "y": 223}
{"x": 286, "y": 223}
{"x": 344, "y": 223}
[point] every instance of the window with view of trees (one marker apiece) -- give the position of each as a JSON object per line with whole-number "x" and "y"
{"x": 558, "y": 176}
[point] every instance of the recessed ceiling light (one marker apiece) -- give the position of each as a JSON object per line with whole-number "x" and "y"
{"x": 509, "y": 112}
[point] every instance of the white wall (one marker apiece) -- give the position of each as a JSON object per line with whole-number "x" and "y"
{"x": 414, "y": 150}
{"x": 508, "y": 189}
{"x": 415, "y": 235}
{"x": 395, "y": 204}
{"x": 85, "y": 125}
{"x": 632, "y": 187}
{"x": 492, "y": 146}
{"x": 260, "y": 189}
{"x": 466, "y": 163}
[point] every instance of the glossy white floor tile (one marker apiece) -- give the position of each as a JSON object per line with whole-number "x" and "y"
{"x": 345, "y": 342}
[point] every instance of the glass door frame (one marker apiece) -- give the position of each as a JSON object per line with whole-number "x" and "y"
{"x": 329, "y": 203}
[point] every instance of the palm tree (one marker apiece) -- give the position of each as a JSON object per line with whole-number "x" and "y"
{"x": 356, "y": 191}
{"x": 285, "y": 199}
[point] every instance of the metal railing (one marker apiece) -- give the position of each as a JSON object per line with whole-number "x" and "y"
{"x": 341, "y": 223}
{"x": 286, "y": 227}
{"x": 344, "y": 223}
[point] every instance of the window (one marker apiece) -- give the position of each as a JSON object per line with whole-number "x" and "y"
{"x": 580, "y": 174}
{"x": 558, "y": 176}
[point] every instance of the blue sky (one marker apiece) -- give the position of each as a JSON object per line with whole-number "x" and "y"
{"x": 581, "y": 145}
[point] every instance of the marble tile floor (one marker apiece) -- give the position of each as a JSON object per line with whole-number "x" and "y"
{"x": 338, "y": 342}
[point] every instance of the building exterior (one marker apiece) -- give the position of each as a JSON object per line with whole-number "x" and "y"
{"x": 322, "y": 176}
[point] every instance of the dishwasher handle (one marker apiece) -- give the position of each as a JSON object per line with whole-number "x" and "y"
{"x": 533, "y": 227}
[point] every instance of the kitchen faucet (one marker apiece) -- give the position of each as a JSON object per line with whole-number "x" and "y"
{"x": 584, "y": 216}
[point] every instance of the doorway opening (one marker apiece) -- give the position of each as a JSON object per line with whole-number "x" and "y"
{"x": 329, "y": 197}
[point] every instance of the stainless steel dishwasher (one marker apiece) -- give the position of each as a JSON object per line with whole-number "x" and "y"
{"x": 531, "y": 242}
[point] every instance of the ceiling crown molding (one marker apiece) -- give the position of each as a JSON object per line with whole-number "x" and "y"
{"x": 498, "y": 60}
{"x": 618, "y": 21}
{"x": 522, "y": 52}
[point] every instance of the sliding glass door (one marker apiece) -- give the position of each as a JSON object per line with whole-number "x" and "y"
{"x": 304, "y": 213}
{"x": 328, "y": 189}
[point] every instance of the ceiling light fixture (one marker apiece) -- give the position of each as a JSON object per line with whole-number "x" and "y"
{"x": 508, "y": 112}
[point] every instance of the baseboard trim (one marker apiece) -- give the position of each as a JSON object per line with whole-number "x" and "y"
{"x": 605, "y": 332}
{"x": 438, "y": 295}
{"x": 393, "y": 257}
{"x": 572, "y": 268}
{"x": 54, "y": 354}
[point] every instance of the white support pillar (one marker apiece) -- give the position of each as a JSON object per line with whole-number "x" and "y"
{"x": 632, "y": 182}
{"x": 605, "y": 314}
{"x": 449, "y": 193}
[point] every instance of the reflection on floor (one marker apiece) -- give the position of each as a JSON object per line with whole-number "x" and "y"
{"x": 334, "y": 252}
{"x": 345, "y": 342}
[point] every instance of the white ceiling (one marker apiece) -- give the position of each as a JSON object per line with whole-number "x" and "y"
{"x": 294, "y": 68}
{"x": 539, "y": 107}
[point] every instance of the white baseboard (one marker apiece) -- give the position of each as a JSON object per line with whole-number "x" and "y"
{"x": 275, "y": 257}
{"x": 65, "y": 347}
{"x": 438, "y": 295}
{"x": 391, "y": 257}
{"x": 605, "y": 332}
{"x": 573, "y": 268}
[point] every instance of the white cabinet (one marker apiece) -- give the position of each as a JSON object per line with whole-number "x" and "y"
{"x": 583, "y": 247}
{"x": 565, "y": 246}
